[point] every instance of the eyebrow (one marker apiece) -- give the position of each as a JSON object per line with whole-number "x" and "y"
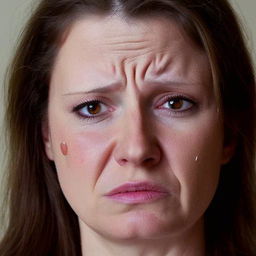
{"x": 117, "y": 86}
{"x": 104, "y": 89}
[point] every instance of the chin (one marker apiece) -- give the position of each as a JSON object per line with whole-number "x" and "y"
{"x": 140, "y": 225}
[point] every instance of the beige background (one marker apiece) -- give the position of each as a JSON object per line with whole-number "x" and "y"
{"x": 13, "y": 14}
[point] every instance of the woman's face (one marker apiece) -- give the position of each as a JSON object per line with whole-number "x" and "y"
{"x": 133, "y": 101}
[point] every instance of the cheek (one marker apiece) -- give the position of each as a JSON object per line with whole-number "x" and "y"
{"x": 87, "y": 153}
{"x": 78, "y": 172}
{"x": 87, "y": 147}
{"x": 194, "y": 154}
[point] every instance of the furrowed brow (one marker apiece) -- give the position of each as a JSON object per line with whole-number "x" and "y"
{"x": 104, "y": 89}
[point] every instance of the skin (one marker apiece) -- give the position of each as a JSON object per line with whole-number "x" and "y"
{"x": 136, "y": 135}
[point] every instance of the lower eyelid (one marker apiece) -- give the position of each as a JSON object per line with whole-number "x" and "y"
{"x": 168, "y": 113}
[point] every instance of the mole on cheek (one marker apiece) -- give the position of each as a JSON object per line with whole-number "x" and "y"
{"x": 64, "y": 148}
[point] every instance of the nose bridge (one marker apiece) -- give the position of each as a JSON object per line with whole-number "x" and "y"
{"x": 136, "y": 141}
{"x": 136, "y": 126}
{"x": 135, "y": 118}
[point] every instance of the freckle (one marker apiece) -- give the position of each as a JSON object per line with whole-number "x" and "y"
{"x": 64, "y": 148}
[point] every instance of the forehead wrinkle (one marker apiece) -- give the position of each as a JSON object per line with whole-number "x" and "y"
{"x": 130, "y": 47}
{"x": 132, "y": 41}
{"x": 151, "y": 55}
{"x": 162, "y": 61}
{"x": 154, "y": 64}
{"x": 128, "y": 44}
{"x": 158, "y": 52}
{"x": 133, "y": 52}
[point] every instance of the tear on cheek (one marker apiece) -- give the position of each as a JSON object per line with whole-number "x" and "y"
{"x": 64, "y": 148}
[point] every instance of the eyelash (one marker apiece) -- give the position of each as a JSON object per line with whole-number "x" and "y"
{"x": 77, "y": 109}
{"x": 169, "y": 98}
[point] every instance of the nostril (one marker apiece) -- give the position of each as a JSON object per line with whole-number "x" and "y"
{"x": 122, "y": 161}
{"x": 149, "y": 161}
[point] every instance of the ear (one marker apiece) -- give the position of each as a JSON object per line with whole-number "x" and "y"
{"x": 47, "y": 140}
{"x": 229, "y": 149}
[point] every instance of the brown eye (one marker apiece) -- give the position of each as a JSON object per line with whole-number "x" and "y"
{"x": 94, "y": 108}
{"x": 176, "y": 103}
{"x": 91, "y": 109}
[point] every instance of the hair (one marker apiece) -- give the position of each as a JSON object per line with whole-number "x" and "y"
{"x": 40, "y": 221}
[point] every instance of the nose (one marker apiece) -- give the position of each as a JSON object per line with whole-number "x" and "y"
{"x": 137, "y": 145}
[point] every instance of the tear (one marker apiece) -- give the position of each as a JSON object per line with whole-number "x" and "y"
{"x": 64, "y": 148}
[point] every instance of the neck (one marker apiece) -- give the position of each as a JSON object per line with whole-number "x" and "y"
{"x": 189, "y": 243}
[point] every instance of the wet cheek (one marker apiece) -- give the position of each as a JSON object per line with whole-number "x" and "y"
{"x": 197, "y": 143}
{"x": 194, "y": 156}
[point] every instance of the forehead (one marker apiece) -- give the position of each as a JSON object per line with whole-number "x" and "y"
{"x": 103, "y": 47}
{"x": 104, "y": 32}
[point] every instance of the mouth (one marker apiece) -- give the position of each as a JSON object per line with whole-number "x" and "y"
{"x": 138, "y": 193}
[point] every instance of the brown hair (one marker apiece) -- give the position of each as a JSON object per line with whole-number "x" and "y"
{"x": 41, "y": 222}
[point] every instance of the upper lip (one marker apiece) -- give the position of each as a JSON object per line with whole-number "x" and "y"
{"x": 138, "y": 186}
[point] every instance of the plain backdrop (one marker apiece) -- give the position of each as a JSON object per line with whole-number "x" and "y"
{"x": 13, "y": 16}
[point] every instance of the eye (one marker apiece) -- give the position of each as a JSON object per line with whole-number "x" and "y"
{"x": 178, "y": 104}
{"x": 91, "y": 109}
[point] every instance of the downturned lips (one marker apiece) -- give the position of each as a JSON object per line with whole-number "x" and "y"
{"x": 138, "y": 193}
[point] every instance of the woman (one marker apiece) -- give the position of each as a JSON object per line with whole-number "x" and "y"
{"x": 132, "y": 128}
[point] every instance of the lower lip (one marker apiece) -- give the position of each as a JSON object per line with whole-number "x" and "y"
{"x": 138, "y": 197}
